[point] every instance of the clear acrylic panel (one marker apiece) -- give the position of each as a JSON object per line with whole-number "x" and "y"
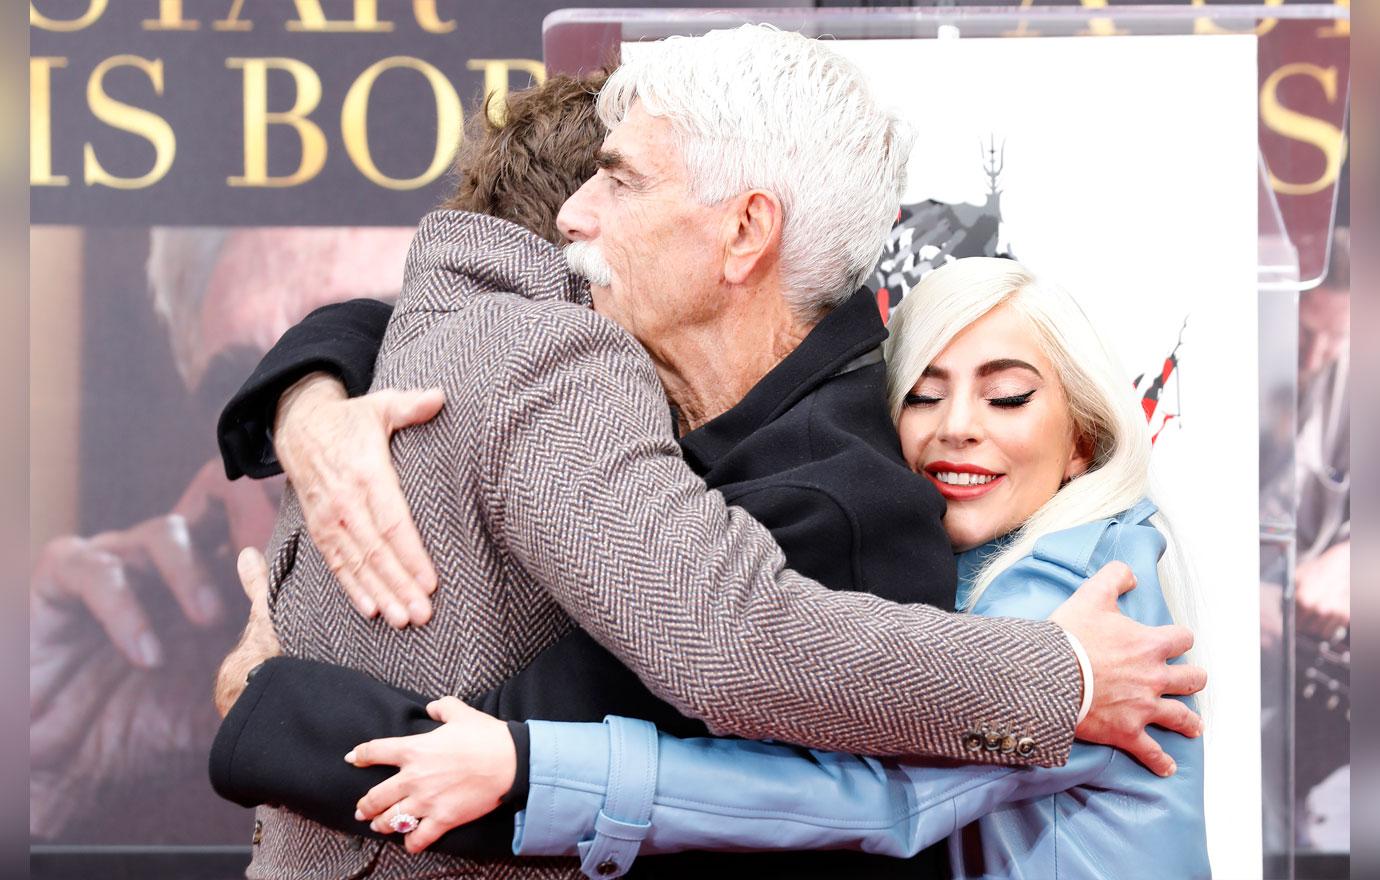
{"x": 1302, "y": 62}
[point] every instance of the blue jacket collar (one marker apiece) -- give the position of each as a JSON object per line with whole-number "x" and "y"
{"x": 1073, "y": 546}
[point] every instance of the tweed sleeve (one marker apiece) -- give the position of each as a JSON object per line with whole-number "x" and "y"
{"x": 589, "y": 494}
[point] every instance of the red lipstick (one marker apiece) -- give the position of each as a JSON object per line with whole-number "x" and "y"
{"x": 961, "y": 493}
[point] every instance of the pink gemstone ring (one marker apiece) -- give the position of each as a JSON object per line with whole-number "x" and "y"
{"x": 404, "y": 823}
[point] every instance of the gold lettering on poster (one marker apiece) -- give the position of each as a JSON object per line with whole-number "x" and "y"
{"x": 354, "y": 122}
{"x": 94, "y": 9}
{"x": 1300, "y": 127}
{"x": 41, "y": 122}
{"x": 135, "y": 120}
{"x": 496, "y": 73}
{"x": 1341, "y": 27}
{"x": 169, "y": 18}
{"x": 232, "y": 21}
{"x": 429, "y": 19}
{"x": 1208, "y": 26}
{"x": 1100, "y": 27}
{"x": 311, "y": 18}
{"x": 257, "y": 119}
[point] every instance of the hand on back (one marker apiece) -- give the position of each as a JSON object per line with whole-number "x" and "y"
{"x": 335, "y": 451}
{"x": 1133, "y": 681}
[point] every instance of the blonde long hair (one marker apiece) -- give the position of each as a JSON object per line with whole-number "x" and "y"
{"x": 1100, "y": 396}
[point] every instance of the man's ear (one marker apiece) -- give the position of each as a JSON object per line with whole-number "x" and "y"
{"x": 753, "y": 236}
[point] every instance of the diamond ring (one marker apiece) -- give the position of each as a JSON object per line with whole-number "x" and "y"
{"x": 404, "y": 823}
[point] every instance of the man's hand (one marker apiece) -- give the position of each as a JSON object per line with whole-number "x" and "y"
{"x": 125, "y": 629}
{"x": 258, "y": 643}
{"x": 335, "y": 452}
{"x": 94, "y": 573}
{"x": 1131, "y": 673}
{"x": 455, "y": 774}
{"x": 1323, "y": 591}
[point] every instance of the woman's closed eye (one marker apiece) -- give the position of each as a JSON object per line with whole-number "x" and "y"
{"x": 1012, "y": 401}
{"x": 1007, "y": 402}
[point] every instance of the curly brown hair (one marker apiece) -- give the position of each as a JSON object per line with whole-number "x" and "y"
{"x": 524, "y": 169}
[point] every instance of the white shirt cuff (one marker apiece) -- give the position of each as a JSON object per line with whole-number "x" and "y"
{"x": 1085, "y": 668}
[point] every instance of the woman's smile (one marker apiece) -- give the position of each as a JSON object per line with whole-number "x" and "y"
{"x": 961, "y": 482}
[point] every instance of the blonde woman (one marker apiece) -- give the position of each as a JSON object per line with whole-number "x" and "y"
{"x": 1006, "y": 398}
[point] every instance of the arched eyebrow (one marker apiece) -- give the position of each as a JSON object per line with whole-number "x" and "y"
{"x": 986, "y": 369}
{"x": 1001, "y": 364}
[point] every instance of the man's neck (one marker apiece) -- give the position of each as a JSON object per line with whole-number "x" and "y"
{"x": 708, "y": 369}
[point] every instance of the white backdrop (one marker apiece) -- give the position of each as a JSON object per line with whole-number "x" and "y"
{"x": 1130, "y": 178}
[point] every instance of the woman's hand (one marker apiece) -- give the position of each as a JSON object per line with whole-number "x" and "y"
{"x": 452, "y": 775}
{"x": 335, "y": 452}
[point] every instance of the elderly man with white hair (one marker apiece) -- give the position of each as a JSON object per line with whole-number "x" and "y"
{"x": 743, "y": 191}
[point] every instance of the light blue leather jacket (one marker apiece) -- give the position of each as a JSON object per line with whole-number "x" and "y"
{"x": 606, "y": 792}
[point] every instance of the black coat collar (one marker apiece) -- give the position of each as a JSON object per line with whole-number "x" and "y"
{"x": 852, "y": 330}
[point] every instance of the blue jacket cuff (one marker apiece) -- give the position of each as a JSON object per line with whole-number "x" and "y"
{"x": 568, "y": 785}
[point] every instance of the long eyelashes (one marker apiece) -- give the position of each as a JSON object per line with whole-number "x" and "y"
{"x": 920, "y": 400}
{"x": 1003, "y": 402}
{"x": 1014, "y": 401}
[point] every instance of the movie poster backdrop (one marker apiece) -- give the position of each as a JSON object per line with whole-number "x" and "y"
{"x": 206, "y": 172}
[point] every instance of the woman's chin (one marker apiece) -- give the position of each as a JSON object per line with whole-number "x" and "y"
{"x": 966, "y": 536}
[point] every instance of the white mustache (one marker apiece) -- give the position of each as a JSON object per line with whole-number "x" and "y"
{"x": 585, "y": 260}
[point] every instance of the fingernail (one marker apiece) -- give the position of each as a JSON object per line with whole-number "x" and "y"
{"x": 149, "y": 652}
{"x": 350, "y": 757}
{"x": 420, "y": 610}
{"x": 367, "y": 607}
{"x": 359, "y": 816}
{"x": 1172, "y": 769}
{"x": 396, "y": 616}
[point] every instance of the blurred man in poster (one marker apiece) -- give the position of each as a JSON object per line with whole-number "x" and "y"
{"x": 1320, "y": 474}
{"x": 127, "y": 626}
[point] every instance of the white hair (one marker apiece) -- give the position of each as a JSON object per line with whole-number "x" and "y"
{"x": 1101, "y": 402}
{"x": 759, "y": 108}
{"x": 180, "y": 264}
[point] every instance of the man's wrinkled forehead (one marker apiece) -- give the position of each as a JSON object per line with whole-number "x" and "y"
{"x": 641, "y": 145}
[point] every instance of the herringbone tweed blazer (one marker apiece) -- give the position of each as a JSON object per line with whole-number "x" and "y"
{"x": 551, "y": 493}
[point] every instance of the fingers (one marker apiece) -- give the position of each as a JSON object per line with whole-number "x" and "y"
{"x": 403, "y": 409}
{"x": 391, "y": 751}
{"x": 73, "y": 568}
{"x": 445, "y": 709}
{"x": 253, "y": 571}
{"x": 1175, "y": 640}
{"x": 1174, "y": 715}
{"x": 1184, "y": 679}
{"x": 1111, "y": 580}
{"x": 400, "y": 536}
{"x": 337, "y": 456}
{"x": 113, "y": 604}
{"x": 429, "y": 830}
{"x": 1144, "y": 749}
{"x": 401, "y": 558}
{"x": 376, "y": 570}
{"x": 167, "y": 541}
{"x": 358, "y": 530}
{"x": 330, "y": 531}
{"x": 374, "y": 806}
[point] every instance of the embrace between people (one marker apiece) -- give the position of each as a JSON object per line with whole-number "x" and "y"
{"x": 853, "y": 590}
